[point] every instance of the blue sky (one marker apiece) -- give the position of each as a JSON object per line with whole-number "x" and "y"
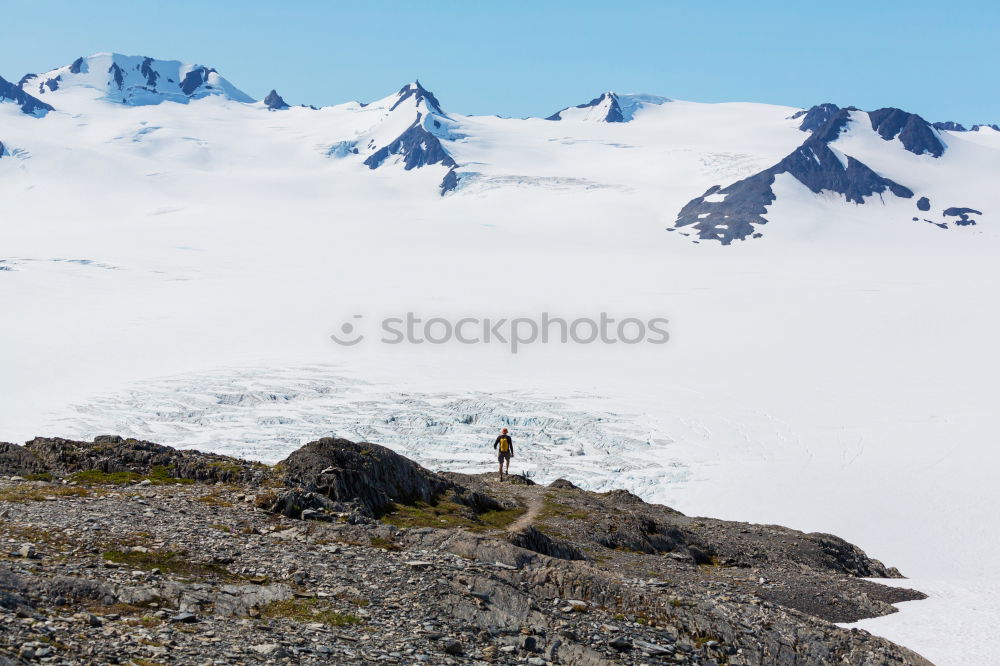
{"x": 533, "y": 58}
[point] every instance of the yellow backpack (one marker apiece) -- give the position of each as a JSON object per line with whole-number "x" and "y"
{"x": 504, "y": 444}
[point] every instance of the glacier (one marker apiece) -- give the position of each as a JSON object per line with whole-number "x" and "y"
{"x": 174, "y": 264}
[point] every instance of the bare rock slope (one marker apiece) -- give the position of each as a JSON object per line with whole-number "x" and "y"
{"x": 122, "y": 551}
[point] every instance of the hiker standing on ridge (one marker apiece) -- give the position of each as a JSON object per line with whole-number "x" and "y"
{"x": 505, "y": 448}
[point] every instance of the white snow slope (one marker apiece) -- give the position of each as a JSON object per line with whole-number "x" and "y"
{"x": 174, "y": 272}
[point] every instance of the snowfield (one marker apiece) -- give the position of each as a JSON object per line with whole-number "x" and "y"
{"x": 174, "y": 272}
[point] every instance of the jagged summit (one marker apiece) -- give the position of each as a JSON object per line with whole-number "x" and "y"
{"x": 274, "y": 101}
{"x": 421, "y": 98}
{"x": 133, "y": 80}
{"x": 609, "y": 107}
{"x": 950, "y": 126}
{"x": 409, "y": 129}
{"x": 28, "y": 104}
{"x": 815, "y": 117}
{"x": 915, "y": 133}
{"x": 735, "y": 212}
{"x": 409, "y": 132}
{"x": 602, "y": 109}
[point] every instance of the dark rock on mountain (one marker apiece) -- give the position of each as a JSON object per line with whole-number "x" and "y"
{"x": 449, "y": 182}
{"x": 735, "y": 212}
{"x": 735, "y": 217}
{"x": 993, "y": 126}
{"x": 146, "y": 69}
{"x": 834, "y": 126}
{"x": 136, "y": 80}
{"x": 12, "y": 598}
{"x": 418, "y": 148}
{"x": 613, "y": 115}
{"x": 642, "y": 534}
{"x": 622, "y": 497}
{"x": 815, "y": 117}
{"x": 420, "y": 144}
{"x": 831, "y": 552}
{"x": 420, "y": 94}
{"x": 537, "y": 542}
{"x": 962, "y": 214}
{"x": 117, "y": 75}
{"x": 103, "y": 564}
{"x": 370, "y": 476}
{"x": 814, "y": 164}
{"x": 131, "y": 457}
{"x": 195, "y": 79}
{"x": 817, "y": 167}
{"x": 29, "y": 105}
{"x": 306, "y": 505}
{"x": 950, "y": 126}
{"x": 915, "y": 133}
{"x": 563, "y": 484}
{"x": 16, "y": 460}
{"x": 274, "y": 101}
{"x": 923, "y": 203}
{"x": 639, "y": 534}
{"x": 68, "y": 588}
{"x": 367, "y": 474}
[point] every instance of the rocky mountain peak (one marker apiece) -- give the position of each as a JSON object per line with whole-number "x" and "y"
{"x": 133, "y": 80}
{"x": 28, "y": 104}
{"x": 274, "y": 101}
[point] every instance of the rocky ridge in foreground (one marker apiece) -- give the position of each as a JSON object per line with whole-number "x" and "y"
{"x": 122, "y": 551}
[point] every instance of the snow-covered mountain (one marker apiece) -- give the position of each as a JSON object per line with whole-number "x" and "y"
{"x": 173, "y": 267}
{"x": 410, "y": 132}
{"x": 759, "y": 169}
{"x": 952, "y": 126}
{"x": 132, "y": 80}
{"x": 610, "y": 107}
{"x": 29, "y": 105}
{"x": 274, "y": 101}
{"x": 826, "y": 163}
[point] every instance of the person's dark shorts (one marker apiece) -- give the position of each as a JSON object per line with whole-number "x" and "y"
{"x": 503, "y": 455}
